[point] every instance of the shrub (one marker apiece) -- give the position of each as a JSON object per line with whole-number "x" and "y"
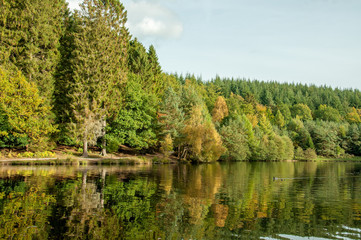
{"x": 309, "y": 154}
{"x": 299, "y": 153}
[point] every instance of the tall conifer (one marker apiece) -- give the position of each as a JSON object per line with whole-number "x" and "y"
{"x": 30, "y": 31}
{"x": 100, "y": 43}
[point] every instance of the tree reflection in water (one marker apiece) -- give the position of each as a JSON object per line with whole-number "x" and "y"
{"x": 211, "y": 201}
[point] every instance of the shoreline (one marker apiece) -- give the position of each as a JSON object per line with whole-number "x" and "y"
{"x": 64, "y": 155}
{"x": 133, "y": 160}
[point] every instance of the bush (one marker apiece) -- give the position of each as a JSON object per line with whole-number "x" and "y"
{"x": 25, "y": 155}
{"x": 45, "y": 154}
{"x": 112, "y": 144}
{"x": 167, "y": 145}
{"x": 299, "y": 153}
{"x": 309, "y": 154}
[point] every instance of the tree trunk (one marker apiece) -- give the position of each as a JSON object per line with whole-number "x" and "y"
{"x": 104, "y": 173}
{"x": 85, "y": 148}
{"x": 104, "y": 141}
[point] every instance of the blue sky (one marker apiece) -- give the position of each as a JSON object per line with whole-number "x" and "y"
{"x": 302, "y": 41}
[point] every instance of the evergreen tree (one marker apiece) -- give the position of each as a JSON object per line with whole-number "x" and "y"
{"x": 265, "y": 126}
{"x": 30, "y": 31}
{"x": 235, "y": 141}
{"x": 279, "y": 120}
{"x": 63, "y": 76}
{"x": 171, "y": 117}
{"x": 154, "y": 62}
{"x": 100, "y": 43}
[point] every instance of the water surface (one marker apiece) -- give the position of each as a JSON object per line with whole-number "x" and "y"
{"x": 212, "y": 201}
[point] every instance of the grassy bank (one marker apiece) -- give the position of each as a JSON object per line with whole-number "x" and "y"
{"x": 72, "y": 156}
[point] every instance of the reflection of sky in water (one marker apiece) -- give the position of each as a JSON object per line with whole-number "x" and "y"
{"x": 346, "y": 233}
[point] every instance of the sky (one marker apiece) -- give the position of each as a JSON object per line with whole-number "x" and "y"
{"x": 301, "y": 41}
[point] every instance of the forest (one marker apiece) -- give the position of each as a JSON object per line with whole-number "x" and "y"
{"x": 79, "y": 78}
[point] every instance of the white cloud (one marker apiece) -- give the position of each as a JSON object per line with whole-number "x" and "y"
{"x": 150, "y": 19}
{"x": 74, "y": 4}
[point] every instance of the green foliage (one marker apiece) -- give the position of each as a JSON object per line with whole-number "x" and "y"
{"x": 325, "y": 137}
{"x": 112, "y": 143}
{"x": 310, "y": 154}
{"x": 23, "y": 110}
{"x": 171, "y": 116}
{"x": 265, "y": 126}
{"x": 290, "y": 94}
{"x": 133, "y": 203}
{"x": 238, "y": 106}
{"x": 274, "y": 148}
{"x": 235, "y": 141}
{"x": 22, "y": 211}
{"x": 299, "y": 134}
{"x": 302, "y": 111}
{"x": 100, "y": 43}
{"x": 30, "y": 32}
{"x": 45, "y": 154}
{"x": 299, "y": 154}
{"x": 327, "y": 113}
{"x": 7, "y": 139}
{"x": 354, "y": 139}
{"x": 166, "y": 145}
{"x": 83, "y": 70}
{"x": 136, "y": 121}
{"x": 289, "y": 148}
{"x": 279, "y": 120}
{"x": 285, "y": 111}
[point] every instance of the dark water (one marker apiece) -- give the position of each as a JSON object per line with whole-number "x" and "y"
{"x": 214, "y": 201}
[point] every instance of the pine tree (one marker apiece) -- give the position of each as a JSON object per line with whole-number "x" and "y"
{"x": 235, "y": 140}
{"x": 279, "y": 120}
{"x": 153, "y": 61}
{"x": 64, "y": 74}
{"x": 171, "y": 116}
{"x": 100, "y": 43}
{"x": 30, "y": 31}
{"x": 266, "y": 126}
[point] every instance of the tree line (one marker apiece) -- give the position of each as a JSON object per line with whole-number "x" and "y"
{"x": 79, "y": 78}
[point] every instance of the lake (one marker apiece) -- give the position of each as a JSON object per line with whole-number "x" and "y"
{"x": 261, "y": 200}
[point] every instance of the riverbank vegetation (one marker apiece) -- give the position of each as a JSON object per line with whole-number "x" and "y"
{"x": 79, "y": 78}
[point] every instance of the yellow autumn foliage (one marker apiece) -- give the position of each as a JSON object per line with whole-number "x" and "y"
{"x": 205, "y": 143}
{"x": 220, "y": 110}
{"x": 25, "y": 110}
